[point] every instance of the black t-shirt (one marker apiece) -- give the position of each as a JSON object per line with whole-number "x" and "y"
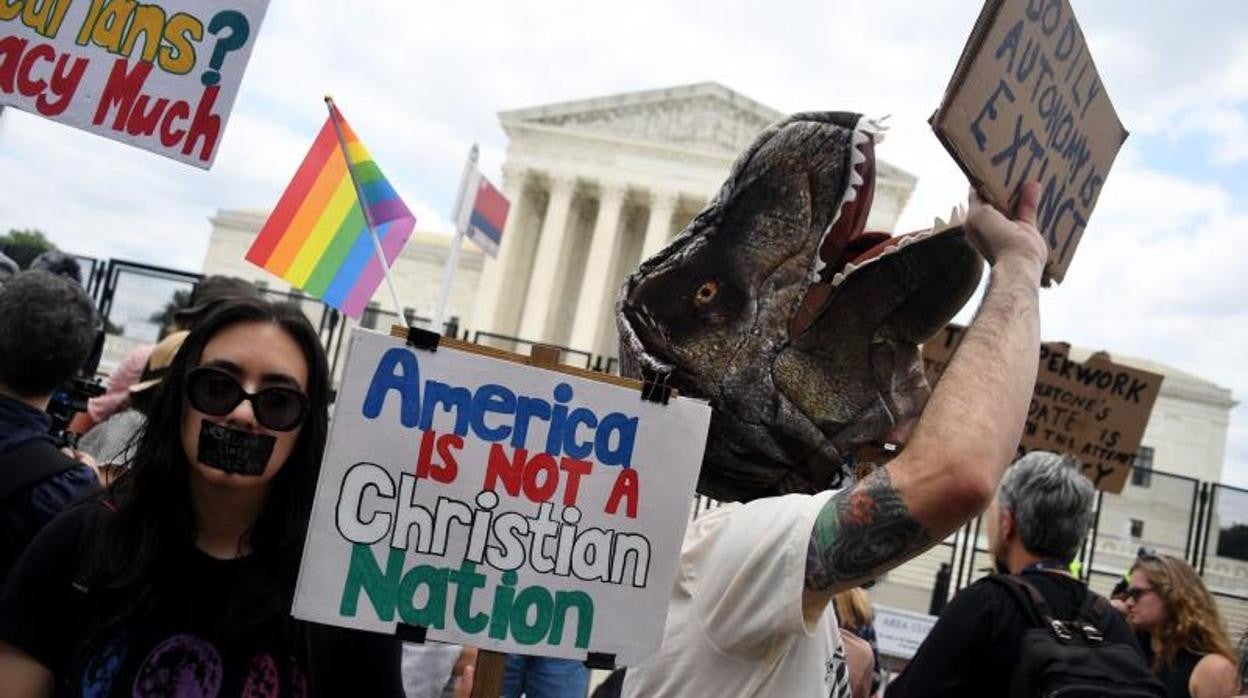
{"x": 185, "y": 648}
{"x": 1176, "y": 675}
{"x": 973, "y": 648}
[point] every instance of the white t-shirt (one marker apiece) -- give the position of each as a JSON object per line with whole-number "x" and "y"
{"x": 735, "y": 625}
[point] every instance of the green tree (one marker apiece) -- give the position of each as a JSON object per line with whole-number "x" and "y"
{"x": 1233, "y": 542}
{"x": 22, "y": 246}
{"x": 163, "y": 318}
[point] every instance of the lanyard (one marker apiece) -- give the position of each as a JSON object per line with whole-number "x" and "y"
{"x": 1046, "y": 566}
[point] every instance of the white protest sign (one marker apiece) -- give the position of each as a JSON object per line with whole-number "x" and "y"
{"x": 899, "y": 633}
{"x": 498, "y": 505}
{"x": 161, "y": 76}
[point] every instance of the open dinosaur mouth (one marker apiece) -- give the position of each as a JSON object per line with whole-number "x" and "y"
{"x": 846, "y": 247}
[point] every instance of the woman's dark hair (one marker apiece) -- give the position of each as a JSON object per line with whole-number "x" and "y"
{"x": 153, "y": 521}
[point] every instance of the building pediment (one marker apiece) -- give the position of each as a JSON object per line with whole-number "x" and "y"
{"x": 703, "y": 116}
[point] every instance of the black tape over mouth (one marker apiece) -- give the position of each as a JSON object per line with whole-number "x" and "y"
{"x": 233, "y": 451}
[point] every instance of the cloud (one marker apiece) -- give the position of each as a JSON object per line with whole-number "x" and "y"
{"x": 1225, "y": 126}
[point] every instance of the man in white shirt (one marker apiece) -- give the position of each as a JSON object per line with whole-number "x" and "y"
{"x": 750, "y": 613}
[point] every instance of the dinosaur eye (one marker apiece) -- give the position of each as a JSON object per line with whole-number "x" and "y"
{"x": 706, "y": 292}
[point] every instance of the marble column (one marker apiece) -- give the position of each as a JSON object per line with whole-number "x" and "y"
{"x": 498, "y": 273}
{"x": 659, "y": 226}
{"x": 540, "y": 298}
{"x": 596, "y": 282}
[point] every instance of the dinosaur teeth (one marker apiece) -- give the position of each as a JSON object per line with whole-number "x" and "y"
{"x": 958, "y": 217}
{"x": 875, "y": 127}
{"x": 866, "y": 131}
{"x": 856, "y": 157}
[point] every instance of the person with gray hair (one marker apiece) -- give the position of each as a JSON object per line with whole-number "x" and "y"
{"x": 1042, "y": 512}
{"x": 1035, "y": 525}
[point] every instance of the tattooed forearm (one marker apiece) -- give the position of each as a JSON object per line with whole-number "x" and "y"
{"x": 862, "y": 532}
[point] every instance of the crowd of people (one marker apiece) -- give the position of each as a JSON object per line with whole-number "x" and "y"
{"x": 158, "y": 555}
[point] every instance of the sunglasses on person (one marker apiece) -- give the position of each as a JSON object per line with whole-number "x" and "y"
{"x": 216, "y": 392}
{"x": 1136, "y": 593}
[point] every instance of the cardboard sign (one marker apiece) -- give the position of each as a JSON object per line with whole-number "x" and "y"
{"x": 1027, "y": 103}
{"x": 498, "y": 505}
{"x": 1095, "y": 411}
{"x": 160, "y": 76}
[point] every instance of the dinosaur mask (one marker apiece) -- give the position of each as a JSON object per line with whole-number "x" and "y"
{"x": 801, "y": 330}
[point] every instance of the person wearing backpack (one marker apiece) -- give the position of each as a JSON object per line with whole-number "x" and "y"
{"x": 1033, "y": 629}
{"x": 47, "y": 328}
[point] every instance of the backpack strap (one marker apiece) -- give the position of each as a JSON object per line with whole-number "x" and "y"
{"x": 1035, "y": 608}
{"x": 1093, "y": 617}
{"x": 29, "y": 463}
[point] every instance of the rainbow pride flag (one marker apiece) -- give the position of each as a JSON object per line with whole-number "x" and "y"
{"x": 317, "y": 238}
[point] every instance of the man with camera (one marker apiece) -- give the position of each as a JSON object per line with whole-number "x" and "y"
{"x": 48, "y": 327}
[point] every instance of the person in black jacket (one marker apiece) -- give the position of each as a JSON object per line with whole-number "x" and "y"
{"x": 47, "y": 328}
{"x": 1035, "y": 527}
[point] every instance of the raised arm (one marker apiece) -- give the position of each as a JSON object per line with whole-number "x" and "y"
{"x": 965, "y": 437}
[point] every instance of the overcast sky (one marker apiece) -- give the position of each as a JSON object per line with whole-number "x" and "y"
{"x": 1157, "y": 274}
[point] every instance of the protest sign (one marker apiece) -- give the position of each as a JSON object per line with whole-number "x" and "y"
{"x": 467, "y": 498}
{"x": 1095, "y": 411}
{"x": 1027, "y": 103}
{"x": 160, "y": 76}
{"x": 900, "y": 632}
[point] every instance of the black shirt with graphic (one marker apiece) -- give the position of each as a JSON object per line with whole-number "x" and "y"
{"x": 185, "y": 649}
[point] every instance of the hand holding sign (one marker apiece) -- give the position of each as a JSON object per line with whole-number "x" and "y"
{"x": 1026, "y": 104}
{"x": 996, "y": 237}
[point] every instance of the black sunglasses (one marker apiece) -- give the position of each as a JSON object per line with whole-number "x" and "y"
{"x": 216, "y": 392}
{"x": 1135, "y": 593}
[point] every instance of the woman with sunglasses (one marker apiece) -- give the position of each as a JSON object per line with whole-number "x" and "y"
{"x": 1184, "y": 638}
{"x": 179, "y": 579}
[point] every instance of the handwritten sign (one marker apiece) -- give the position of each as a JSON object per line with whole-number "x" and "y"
{"x": 499, "y": 505}
{"x": 1027, "y": 103}
{"x": 1095, "y": 411}
{"x": 159, "y": 76}
{"x": 1108, "y": 403}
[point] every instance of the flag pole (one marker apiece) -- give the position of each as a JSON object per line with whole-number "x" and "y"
{"x": 368, "y": 218}
{"x": 463, "y": 213}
